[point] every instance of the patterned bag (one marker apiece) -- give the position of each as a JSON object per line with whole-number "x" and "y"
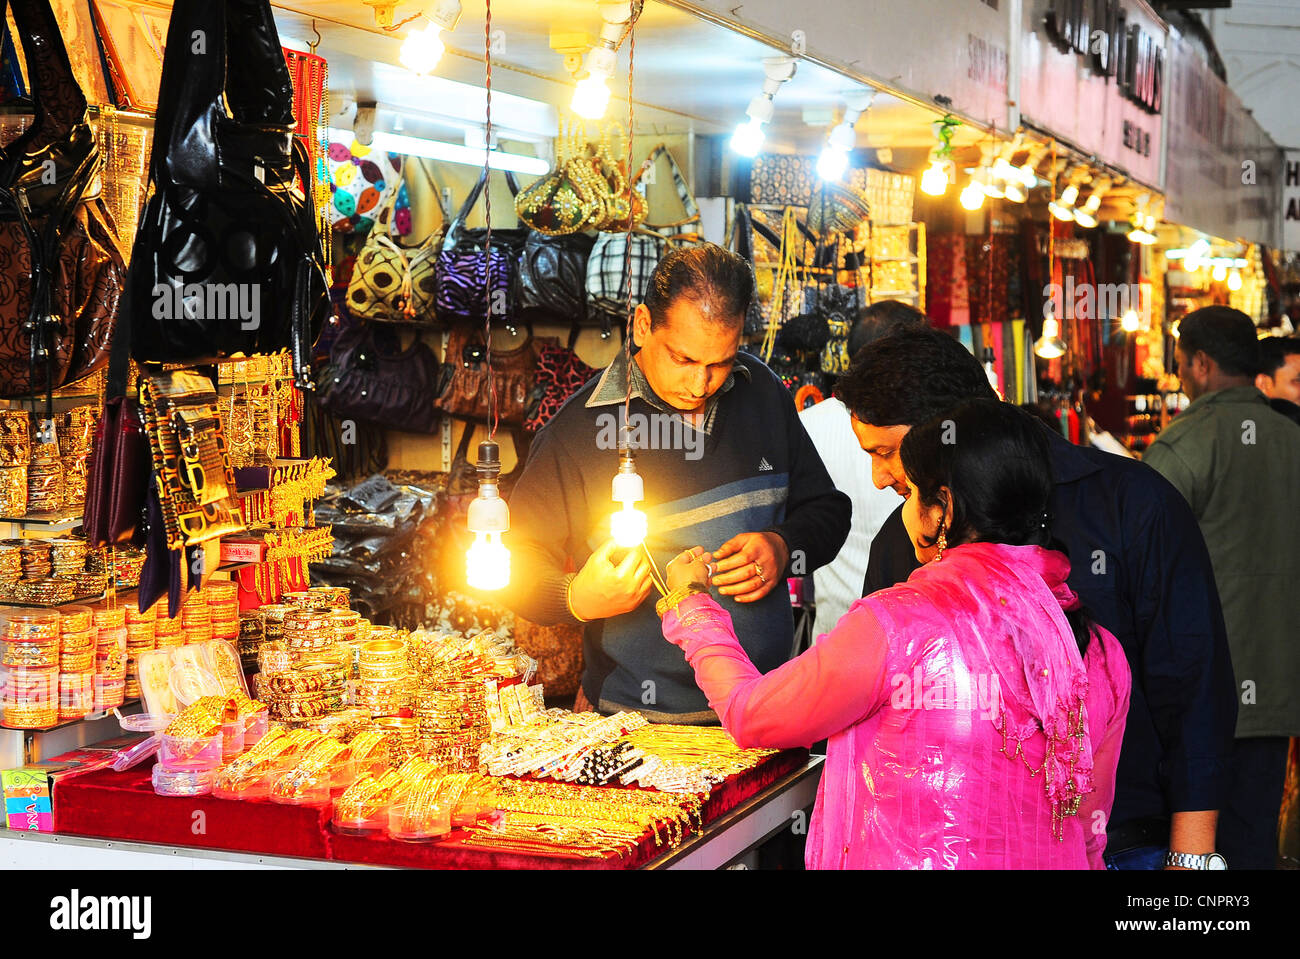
{"x": 468, "y": 272}
{"x": 362, "y": 183}
{"x": 392, "y": 283}
{"x": 607, "y": 269}
{"x": 559, "y": 375}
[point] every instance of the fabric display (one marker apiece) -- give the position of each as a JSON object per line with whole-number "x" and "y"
{"x": 791, "y": 180}
{"x": 226, "y": 166}
{"x": 394, "y": 282}
{"x": 947, "y": 280}
{"x": 56, "y": 329}
{"x": 607, "y": 268}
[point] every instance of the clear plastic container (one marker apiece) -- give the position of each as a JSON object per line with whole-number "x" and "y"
{"x": 232, "y": 740}
{"x": 190, "y": 752}
{"x": 435, "y": 825}
{"x": 292, "y": 789}
{"x": 168, "y": 781}
{"x": 109, "y": 692}
{"x": 134, "y": 755}
{"x": 361, "y": 827}
{"x": 255, "y": 727}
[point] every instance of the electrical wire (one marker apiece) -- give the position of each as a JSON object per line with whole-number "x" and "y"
{"x": 627, "y": 250}
{"x": 493, "y": 416}
{"x": 656, "y": 576}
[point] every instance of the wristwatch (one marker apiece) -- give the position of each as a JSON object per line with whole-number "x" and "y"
{"x": 1185, "y": 860}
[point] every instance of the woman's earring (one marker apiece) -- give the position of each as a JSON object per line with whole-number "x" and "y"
{"x": 942, "y": 543}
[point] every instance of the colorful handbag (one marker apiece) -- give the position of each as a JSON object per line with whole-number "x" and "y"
{"x": 362, "y": 183}
{"x": 394, "y": 283}
{"x": 467, "y": 271}
{"x": 64, "y": 275}
{"x": 563, "y": 201}
{"x": 837, "y": 208}
{"x": 559, "y": 375}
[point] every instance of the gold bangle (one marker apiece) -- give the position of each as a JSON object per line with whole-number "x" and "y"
{"x": 674, "y": 598}
{"x": 568, "y": 599}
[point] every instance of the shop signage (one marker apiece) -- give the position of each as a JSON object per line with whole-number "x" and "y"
{"x": 1092, "y": 72}
{"x": 1291, "y": 201}
{"x": 1099, "y": 31}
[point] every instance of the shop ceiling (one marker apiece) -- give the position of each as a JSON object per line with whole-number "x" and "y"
{"x": 691, "y": 76}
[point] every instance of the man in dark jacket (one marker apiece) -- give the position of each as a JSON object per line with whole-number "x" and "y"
{"x": 1140, "y": 565}
{"x": 725, "y": 464}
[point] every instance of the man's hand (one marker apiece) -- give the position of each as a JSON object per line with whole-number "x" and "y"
{"x": 601, "y": 589}
{"x": 749, "y": 566}
{"x": 691, "y": 566}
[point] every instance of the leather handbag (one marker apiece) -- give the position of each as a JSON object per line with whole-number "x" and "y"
{"x": 608, "y": 291}
{"x": 468, "y": 272}
{"x": 392, "y": 283}
{"x": 467, "y": 394}
{"x": 227, "y": 258}
{"x": 61, "y": 266}
{"x": 371, "y": 379}
{"x": 550, "y": 282}
{"x": 118, "y": 474}
{"x": 195, "y": 479}
{"x": 559, "y": 375}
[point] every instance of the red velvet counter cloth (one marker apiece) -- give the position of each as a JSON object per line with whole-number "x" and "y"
{"x": 112, "y": 805}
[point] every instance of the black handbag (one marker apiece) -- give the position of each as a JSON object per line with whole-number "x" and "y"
{"x": 227, "y": 257}
{"x": 466, "y": 270}
{"x": 371, "y": 379}
{"x": 550, "y": 284}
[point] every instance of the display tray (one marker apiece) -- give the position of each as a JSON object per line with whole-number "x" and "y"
{"x": 112, "y": 805}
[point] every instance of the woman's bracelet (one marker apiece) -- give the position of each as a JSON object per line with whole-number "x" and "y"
{"x": 672, "y": 600}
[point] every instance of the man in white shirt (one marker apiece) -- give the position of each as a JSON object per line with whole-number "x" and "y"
{"x": 838, "y": 584}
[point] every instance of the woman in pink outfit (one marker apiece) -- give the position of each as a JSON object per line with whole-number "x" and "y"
{"x": 974, "y": 715}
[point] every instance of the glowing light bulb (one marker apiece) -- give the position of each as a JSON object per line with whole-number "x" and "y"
{"x": 1129, "y": 321}
{"x": 934, "y": 180}
{"x": 422, "y": 49}
{"x": 748, "y": 138}
{"x": 1234, "y": 281}
{"x": 628, "y": 526}
{"x": 591, "y": 97}
{"x": 1050, "y": 346}
{"x": 1220, "y": 273}
{"x": 832, "y": 163}
{"x": 1016, "y": 192}
{"x": 1028, "y": 175}
{"x": 487, "y": 562}
{"x": 972, "y": 197}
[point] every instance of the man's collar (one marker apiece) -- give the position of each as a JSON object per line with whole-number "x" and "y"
{"x": 612, "y": 388}
{"x": 1233, "y": 394}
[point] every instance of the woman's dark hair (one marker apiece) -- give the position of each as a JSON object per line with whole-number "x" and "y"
{"x": 708, "y": 276}
{"x": 994, "y": 459}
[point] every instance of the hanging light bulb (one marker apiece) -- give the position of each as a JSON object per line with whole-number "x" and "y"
{"x": 1129, "y": 321}
{"x": 1220, "y": 273}
{"x": 1234, "y": 281}
{"x": 1016, "y": 191}
{"x": 591, "y": 95}
{"x": 487, "y": 563}
{"x": 934, "y": 180}
{"x": 834, "y": 160}
{"x": 1086, "y": 213}
{"x": 1063, "y": 208}
{"x": 972, "y": 197}
{"x": 628, "y": 525}
{"x": 749, "y": 136}
{"x": 422, "y": 49}
{"x": 1050, "y": 346}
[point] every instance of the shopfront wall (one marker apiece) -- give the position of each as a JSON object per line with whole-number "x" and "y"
{"x": 1094, "y": 75}
{"x": 1223, "y": 171}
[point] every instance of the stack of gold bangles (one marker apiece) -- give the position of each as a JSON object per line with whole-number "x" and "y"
{"x": 310, "y": 767}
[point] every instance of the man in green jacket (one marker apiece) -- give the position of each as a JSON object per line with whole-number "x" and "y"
{"x": 1236, "y": 461}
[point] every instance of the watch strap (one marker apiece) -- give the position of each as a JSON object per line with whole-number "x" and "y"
{"x": 1186, "y": 860}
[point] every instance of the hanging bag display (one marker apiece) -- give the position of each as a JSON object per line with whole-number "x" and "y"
{"x": 466, "y": 269}
{"x": 607, "y": 268}
{"x": 370, "y": 378}
{"x": 59, "y": 306}
{"x": 393, "y": 283}
{"x": 837, "y": 208}
{"x": 117, "y": 475}
{"x": 467, "y": 394}
{"x": 559, "y": 375}
{"x": 228, "y": 257}
{"x": 550, "y": 281}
